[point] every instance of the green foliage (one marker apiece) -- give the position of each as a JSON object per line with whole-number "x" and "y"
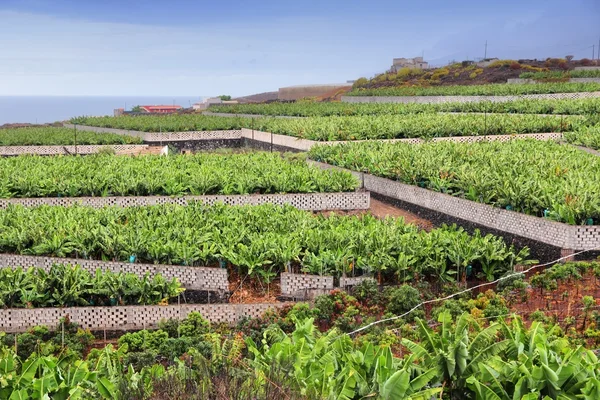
{"x": 402, "y": 299}
{"x": 200, "y": 174}
{"x": 325, "y": 109}
{"x": 502, "y": 89}
{"x": 258, "y": 240}
{"x": 422, "y": 125}
{"x": 529, "y": 175}
{"x": 47, "y": 136}
{"x": 143, "y": 340}
{"x": 70, "y": 286}
{"x": 548, "y": 75}
{"x": 225, "y": 97}
{"x": 588, "y": 136}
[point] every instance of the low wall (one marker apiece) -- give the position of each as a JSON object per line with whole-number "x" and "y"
{"x": 284, "y": 141}
{"x": 220, "y": 114}
{"x": 277, "y": 142}
{"x": 354, "y": 280}
{"x": 465, "y": 99}
{"x": 302, "y": 201}
{"x": 194, "y": 278}
{"x": 126, "y": 317}
{"x": 160, "y": 137}
{"x": 66, "y": 150}
{"x": 542, "y": 230}
{"x": 519, "y": 81}
{"x": 297, "y": 284}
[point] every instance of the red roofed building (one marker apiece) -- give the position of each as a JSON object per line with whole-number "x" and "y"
{"x": 160, "y": 109}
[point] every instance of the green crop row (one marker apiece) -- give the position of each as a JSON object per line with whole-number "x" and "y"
{"x": 259, "y": 240}
{"x": 325, "y": 109}
{"x": 414, "y": 126}
{"x": 48, "y": 136}
{"x": 71, "y": 286}
{"x": 166, "y": 123}
{"x": 200, "y": 174}
{"x": 593, "y": 73}
{"x": 588, "y": 136}
{"x": 358, "y": 127}
{"x": 502, "y": 89}
{"x": 534, "y": 177}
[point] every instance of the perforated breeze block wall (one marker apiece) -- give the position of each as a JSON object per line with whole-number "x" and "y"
{"x": 302, "y": 201}
{"x": 464, "y": 99}
{"x": 354, "y": 280}
{"x": 195, "y": 278}
{"x": 539, "y": 229}
{"x": 129, "y": 317}
{"x": 159, "y": 137}
{"x": 293, "y": 284}
{"x": 66, "y": 150}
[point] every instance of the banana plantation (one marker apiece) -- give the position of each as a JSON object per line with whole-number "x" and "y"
{"x": 425, "y": 307}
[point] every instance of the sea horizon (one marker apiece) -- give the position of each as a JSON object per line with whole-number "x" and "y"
{"x": 47, "y": 109}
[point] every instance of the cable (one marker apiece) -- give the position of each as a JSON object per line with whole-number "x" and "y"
{"x": 465, "y": 291}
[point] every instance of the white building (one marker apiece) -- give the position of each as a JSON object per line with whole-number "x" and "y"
{"x": 416, "y": 62}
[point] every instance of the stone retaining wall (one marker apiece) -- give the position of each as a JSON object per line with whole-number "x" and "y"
{"x": 542, "y": 230}
{"x": 194, "y": 278}
{"x": 465, "y": 99}
{"x": 125, "y": 317}
{"x": 66, "y": 150}
{"x": 302, "y": 201}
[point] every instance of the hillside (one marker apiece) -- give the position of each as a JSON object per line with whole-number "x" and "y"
{"x": 467, "y": 73}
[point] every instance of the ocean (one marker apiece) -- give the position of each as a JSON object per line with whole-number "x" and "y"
{"x": 43, "y": 109}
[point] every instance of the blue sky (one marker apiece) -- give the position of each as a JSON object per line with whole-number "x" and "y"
{"x": 203, "y": 48}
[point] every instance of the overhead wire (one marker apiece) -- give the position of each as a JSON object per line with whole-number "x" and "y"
{"x": 466, "y": 291}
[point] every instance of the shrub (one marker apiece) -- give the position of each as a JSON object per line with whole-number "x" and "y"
{"x": 402, "y": 299}
{"x": 360, "y": 82}
{"x": 143, "y": 340}
{"x": 194, "y": 325}
{"x": 140, "y": 359}
{"x": 439, "y": 73}
{"x": 173, "y": 348}
{"x": 366, "y": 292}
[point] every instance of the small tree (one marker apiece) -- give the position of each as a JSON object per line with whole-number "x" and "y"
{"x": 136, "y": 109}
{"x": 569, "y": 58}
{"x": 588, "y": 303}
{"x": 225, "y": 97}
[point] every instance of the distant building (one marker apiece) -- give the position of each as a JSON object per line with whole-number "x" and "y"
{"x": 416, "y": 62}
{"x": 160, "y": 109}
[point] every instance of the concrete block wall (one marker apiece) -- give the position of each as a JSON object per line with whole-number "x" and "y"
{"x": 465, "y": 99}
{"x": 126, "y": 317}
{"x": 303, "y": 201}
{"x": 278, "y": 140}
{"x": 354, "y": 280}
{"x": 194, "y": 278}
{"x": 159, "y": 137}
{"x": 542, "y": 230}
{"x": 66, "y": 150}
{"x": 292, "y": 284}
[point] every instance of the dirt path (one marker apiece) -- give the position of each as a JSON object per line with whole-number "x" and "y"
{"x": 381, "y": 210}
